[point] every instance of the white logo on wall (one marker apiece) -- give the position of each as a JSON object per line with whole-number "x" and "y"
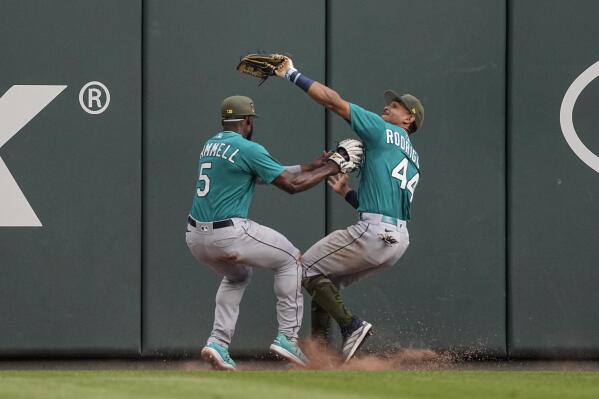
{"x": 94, "y": 98}
{"x": 19, "y": 105}
{"x": 565, "y": 116}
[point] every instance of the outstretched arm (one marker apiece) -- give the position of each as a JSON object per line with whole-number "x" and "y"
{"x": 317, "y": 91}
{"x": 328, "y": 97}
{"x": 298, "y": 182}
{"x": 295, "y": 169}
{"x": 317, "y": 163}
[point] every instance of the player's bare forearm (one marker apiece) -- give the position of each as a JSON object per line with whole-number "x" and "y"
{"x": 330, "y": 99}
{"x": 317, "y": 163}
{"x": 297, "y": 182}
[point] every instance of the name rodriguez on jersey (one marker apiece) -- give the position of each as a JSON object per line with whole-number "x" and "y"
{"x": 405, "y": 145}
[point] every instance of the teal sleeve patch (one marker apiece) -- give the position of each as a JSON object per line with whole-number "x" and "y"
{"x": 367, "y": 125}
{"x": 264, "y": 165}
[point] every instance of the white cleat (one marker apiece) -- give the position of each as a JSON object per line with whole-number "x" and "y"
{"x": 353, "y": 337}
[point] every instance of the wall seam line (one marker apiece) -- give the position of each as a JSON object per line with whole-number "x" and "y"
{"x": 508, "y": 324}
{"x": 142, "y": 185}
{"x": 327, "y": 113}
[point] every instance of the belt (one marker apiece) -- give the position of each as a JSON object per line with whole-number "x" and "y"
{"x": 215, "y": 225}
{"x": 381, "y": 218}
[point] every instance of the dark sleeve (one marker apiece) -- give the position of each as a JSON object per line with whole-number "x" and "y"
{"x": 352, "y": 198}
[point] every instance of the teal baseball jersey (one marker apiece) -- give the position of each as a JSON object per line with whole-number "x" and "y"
{"x": 228, "y": 167}
{"x": 391, "y": 167}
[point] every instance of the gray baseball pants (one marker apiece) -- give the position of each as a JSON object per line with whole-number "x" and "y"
{"x": 347, "y": 256}
{"x": 232, "y": 252}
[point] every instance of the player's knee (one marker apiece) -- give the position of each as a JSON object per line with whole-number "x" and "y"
{"x": 242, "y": 277}
{"x": 309, "y": 283}
{"x": 316, "y": 283}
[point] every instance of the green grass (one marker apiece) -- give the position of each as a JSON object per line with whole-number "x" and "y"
{"x": 297, "y": 384}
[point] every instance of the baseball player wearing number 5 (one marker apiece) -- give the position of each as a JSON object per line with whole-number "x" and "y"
{"x": 220, "y": 235}
{"x": 378, "y": 240}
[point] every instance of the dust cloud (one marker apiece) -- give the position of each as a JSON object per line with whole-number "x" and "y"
{"x": 323, "y": 358}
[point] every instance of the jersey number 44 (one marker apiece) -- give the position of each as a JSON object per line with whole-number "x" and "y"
{"x": 400, "y": 172}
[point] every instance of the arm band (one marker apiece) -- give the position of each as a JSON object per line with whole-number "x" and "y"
{"x": 295, "y": 77}
{"x": 352, "y": 198}
{"x": 293, "y": 169}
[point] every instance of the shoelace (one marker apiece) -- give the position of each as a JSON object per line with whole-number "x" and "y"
{"x": 225, "y": 354}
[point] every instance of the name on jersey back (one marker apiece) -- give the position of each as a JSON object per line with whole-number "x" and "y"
{"x": 400, "y": 141}
{"x": 219, "y": 150}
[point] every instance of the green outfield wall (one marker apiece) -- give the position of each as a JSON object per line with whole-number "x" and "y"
{"x": 553, "y": 194}
{"x": 95, "y": 191}
{"x": 182, "y": 112}
{"x": 449, "y": 289}
{"x": 71, "y": 286}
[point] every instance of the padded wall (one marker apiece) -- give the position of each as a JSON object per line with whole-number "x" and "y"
{"x": 70, "y": 245}
{"x": 553, "y": 193}
{"x": 184, "y": 88}
{"x": 448, "y": 291}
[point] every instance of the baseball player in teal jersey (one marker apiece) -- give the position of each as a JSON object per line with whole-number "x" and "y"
{"x": 388, "y": 181}
{"x": 220, "y": 235}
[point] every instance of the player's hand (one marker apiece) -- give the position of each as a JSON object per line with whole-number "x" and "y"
{"x": 284, "y": 67}
{"x": 339, "y": 184}
{"x": 318, "y": 162}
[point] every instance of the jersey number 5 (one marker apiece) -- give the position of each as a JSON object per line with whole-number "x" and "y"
{"x": 203, "y": 191}
{"x": 400, "y": 172}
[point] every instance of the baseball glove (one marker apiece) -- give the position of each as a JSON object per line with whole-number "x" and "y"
{"x": 262, "y": 65}
{"x": 349, "y": 155}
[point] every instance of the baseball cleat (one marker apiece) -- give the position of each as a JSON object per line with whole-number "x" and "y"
{"x": 218, "y": 356}
{"x": 289, "y": 350}
{"x": 353, "y": 337}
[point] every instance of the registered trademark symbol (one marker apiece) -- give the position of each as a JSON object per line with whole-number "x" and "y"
{"x": 94, "y": 98}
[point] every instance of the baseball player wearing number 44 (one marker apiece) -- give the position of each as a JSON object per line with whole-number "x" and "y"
{"x": 388, "y": 180}
{"x": 220, "y": 235}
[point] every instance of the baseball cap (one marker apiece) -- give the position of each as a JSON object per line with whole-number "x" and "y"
{"x": 410, "y": 102}
{"x": 237, "y": 107}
